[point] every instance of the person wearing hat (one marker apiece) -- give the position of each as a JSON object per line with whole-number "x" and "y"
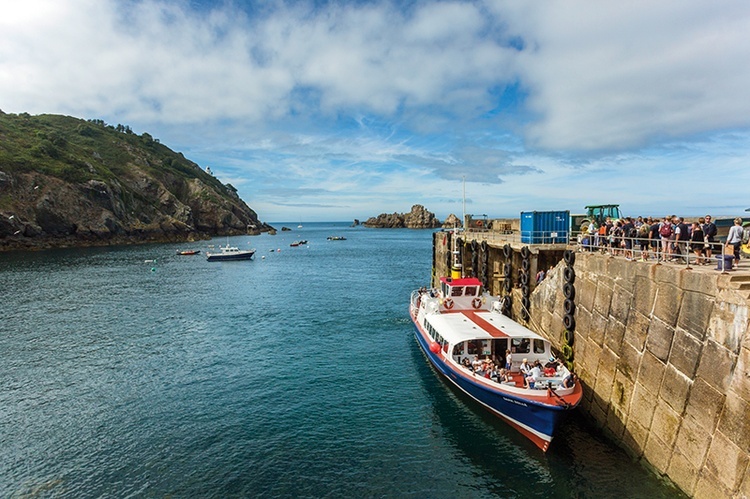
{"x": 525, "y": 367}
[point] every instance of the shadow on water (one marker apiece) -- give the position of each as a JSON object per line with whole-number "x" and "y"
{"x": 580, "y": 463}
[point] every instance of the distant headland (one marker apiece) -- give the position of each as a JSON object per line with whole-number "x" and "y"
{"x": 65, "y": 181}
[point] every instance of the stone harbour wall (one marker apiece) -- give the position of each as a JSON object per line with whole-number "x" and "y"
{"x": 664, "y": 355}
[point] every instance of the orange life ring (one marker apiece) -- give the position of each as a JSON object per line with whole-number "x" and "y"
{"x": 476, "y": 302}
{"x": 479, "y": 223}
{"x": 448, "y": 303}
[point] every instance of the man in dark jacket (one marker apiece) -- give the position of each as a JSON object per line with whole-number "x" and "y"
{"x": 682, "y": 236}
{"x": 709, "y": 230}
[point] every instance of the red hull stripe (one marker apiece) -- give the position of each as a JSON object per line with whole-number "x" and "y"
{"x": 485, "y": 325}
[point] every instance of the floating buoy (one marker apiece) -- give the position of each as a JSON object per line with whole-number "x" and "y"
{"x": 153, "y": 269}
{"x": 263, "y": 257}
{"x": 434, "y": 347}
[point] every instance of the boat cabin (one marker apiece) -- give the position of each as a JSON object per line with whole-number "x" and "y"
{"x": 461, "y": 293}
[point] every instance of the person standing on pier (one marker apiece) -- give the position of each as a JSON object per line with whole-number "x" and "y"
{"x": 735, "y": 239}
{"x": 709, "y": 230}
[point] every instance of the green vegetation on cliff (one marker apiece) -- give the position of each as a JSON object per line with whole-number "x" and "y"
{"x": 67, "y": 181}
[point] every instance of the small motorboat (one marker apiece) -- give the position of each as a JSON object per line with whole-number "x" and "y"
{"x": 229, "y": 253}
{"x": 188, "y": 252}
{"x": 336, "y": 238}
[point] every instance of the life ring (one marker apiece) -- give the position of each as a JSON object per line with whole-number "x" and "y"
{"x": 569, "y": 322}
{"x": 569, "y": 274}
{"x": 476, "y": 302}
{"x": 448, "y": 303}
{"x": 567, "y": 352}
{"x": 525, "y": 252}
{"x": 506, "y": 270}
{"x": 569, "y": 256}
{"x": 569, "y": 306}
{"x": 525, "y": 264}
{"x": 479, "y": 223}
{"x": 569, "y": 337}
{"x": 507, "y": 251}
{"x": 569, "y": 291}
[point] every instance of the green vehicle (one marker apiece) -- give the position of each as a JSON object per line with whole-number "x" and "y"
{"x": 597, "y": 213}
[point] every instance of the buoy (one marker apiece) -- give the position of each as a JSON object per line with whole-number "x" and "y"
{"x": 263, "y": 257}
{"x": 153, "y": 269}
{"x": 435, "y": 347}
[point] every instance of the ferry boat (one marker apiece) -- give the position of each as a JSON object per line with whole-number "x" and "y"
{"x": 459, "y": 322}
{"x": 229, "y": 253}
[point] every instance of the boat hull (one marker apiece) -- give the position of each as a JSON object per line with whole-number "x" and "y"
{"x": 233, "y": 257}
{"x": 535, "y": 420}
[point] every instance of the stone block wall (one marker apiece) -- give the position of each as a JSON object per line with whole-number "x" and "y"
{"x": 664, "y": 354}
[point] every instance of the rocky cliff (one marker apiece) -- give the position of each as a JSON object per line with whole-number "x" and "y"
{"x": 69, "y": 182}
{"x": 417, "y": 218}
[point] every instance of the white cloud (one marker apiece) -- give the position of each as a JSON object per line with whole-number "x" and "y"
{"x": 536, "y": 103}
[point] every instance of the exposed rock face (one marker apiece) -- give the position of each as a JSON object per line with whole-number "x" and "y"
{"x": 45, "y": 211}
{"x": 135, "y": 191}
{"x": 451, "y": 222}
{"x": 417, "y": 218}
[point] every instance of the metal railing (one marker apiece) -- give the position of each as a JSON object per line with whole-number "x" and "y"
{"x": 684, "y": 252}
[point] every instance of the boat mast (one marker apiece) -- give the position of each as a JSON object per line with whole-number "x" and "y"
{"x": 457, "y": 266}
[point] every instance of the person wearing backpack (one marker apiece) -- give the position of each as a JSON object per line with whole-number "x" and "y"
{"x": 665, "y": 233}
{"x": 682, "y": 236}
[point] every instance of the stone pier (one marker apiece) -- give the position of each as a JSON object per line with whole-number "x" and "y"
{"x": 664, "y": 355}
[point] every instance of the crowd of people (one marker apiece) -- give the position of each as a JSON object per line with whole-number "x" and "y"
{"x": 532, "y": 374}
{"x": 669, "y": 239}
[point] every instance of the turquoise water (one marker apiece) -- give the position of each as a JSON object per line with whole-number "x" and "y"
{"x": 293, "y": 375}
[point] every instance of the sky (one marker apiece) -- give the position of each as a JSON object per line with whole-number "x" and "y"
{"x": 336, "y": 110}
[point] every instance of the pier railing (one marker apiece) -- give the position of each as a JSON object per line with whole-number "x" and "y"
{"x": 680, "y": 252}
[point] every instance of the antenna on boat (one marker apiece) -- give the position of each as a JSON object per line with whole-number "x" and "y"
{"x": 456, "y": 265}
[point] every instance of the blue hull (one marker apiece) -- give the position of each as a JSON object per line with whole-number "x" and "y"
{"x": 229, "y": 258}
{"x": 537, "y": 421}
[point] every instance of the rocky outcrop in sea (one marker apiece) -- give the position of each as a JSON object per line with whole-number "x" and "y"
{"x": 417, "y": 218}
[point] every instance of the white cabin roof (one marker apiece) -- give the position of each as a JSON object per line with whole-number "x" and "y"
{"x": 465, "y": 325}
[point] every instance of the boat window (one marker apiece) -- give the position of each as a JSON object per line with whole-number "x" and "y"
{"x": 538, "y": 346}
{"x": 457, "y": 291}
{"x": 458, "y": 349}
{"x": 520, "y": 345}
{"x": 485, "y": 347}
{"x": 471, "y": 348}
{"x": 470, "y": 291}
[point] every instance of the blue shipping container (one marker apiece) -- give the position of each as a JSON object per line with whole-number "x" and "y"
{"x": 545, "y": 227}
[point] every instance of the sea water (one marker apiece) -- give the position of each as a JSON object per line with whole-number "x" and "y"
{"x": 135, "y": 372}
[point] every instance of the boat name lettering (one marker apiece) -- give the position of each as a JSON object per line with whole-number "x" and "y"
{"x": 514, "y": 401}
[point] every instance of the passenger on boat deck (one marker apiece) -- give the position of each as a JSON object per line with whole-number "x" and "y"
{"x": 503, "y": 377}
{"x": 476, "y": 364}
{"x": 525, "y": 367}
{"x": 508, "y": 360}
{"x": 570, "y": 380}
{"x": 466, "y": 363}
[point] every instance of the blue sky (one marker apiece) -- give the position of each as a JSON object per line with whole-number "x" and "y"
{"x": 340, "y": 110}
